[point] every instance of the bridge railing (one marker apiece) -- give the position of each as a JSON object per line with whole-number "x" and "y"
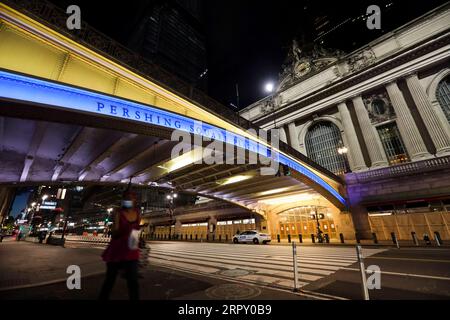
{"x": 402, "y": 169}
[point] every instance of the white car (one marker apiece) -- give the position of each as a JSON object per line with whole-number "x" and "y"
{"x": 252, "y": 236}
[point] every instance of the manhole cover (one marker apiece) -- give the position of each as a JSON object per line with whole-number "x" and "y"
{"x": 231, "y": 291}
{"x": 235, "y": 273}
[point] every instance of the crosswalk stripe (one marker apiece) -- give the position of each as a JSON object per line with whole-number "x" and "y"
{"x": 278, "y": 262}
{"x": 270, "y": 266}
{"x": 273, "y": 267}
{"x": 301, "y": 258}
{"x": 287, "y": 256}
{"x": 261, "y": 271}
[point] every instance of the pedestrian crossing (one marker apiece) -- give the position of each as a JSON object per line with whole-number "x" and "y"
{"x": 262, "y": 265}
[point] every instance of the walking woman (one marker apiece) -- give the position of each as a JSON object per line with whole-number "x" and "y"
{"x": 122, "y": 253}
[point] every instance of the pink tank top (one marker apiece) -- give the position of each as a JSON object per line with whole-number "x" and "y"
{"x": 118, "y": 249}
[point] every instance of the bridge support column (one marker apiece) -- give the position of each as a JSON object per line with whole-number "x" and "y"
{"x": 261, "y": 223}
{"x": 358, "y": 212}
{"x": 272, "y": 227}
{"x": 212, "y": 227}
{"x": 177, "y": 228}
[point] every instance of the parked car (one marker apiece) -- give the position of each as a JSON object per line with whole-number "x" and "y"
{"x": 252, "y": 236}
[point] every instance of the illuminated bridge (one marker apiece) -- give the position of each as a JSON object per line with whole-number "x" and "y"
{"x": 76, "y": 110}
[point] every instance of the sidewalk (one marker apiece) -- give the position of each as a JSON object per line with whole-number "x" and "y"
{"x": 25, "y": 264}
{"x": 36, "y": 271}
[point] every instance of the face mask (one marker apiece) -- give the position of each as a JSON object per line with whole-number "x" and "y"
{"x": 127, "y": 204}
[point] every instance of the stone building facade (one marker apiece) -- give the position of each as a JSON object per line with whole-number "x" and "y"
{"x": 379, "y": 116}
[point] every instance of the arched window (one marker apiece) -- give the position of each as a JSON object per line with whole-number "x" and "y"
{"x": 322, "y": 142}
{"x": 443, "y": 96}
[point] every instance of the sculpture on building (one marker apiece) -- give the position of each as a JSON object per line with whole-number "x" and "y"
{"x": 361, "y": 60}
{"x": 305, "y": 59}
{"x": 379, "y": 107}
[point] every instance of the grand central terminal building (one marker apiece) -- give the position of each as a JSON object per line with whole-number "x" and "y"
{"x": 380, "y": 118}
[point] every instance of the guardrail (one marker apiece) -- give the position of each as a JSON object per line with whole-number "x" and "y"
{"x": 88, "y": 239}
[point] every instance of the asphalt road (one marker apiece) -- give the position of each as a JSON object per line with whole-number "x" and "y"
{"x": 181, "y": 270}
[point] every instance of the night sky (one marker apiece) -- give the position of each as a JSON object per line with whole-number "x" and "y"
{"x": 247, "y": 40}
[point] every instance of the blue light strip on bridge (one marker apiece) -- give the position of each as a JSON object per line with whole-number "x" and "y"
{"x": 24, "y": 88}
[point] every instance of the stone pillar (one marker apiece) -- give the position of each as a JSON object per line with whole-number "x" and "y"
{"x": 283, "y": 137}
{"x": 370, "y": 135}
{"x": 178, "y": 228}
{"x": 435, "y": 126}
{"x": 355, "y": 153}
{"x": 293, "y": 136}
{"x": 406, "y": 125}
{"x": 212, "y": 227}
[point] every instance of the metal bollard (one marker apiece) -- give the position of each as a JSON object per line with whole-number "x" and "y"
{"x": 300, "y": 238}
{"x": 365, "y": 290}
{"x": 294, "y": 257}
{"x": 278, "y": 238}
{"x": 374, "y": 237}
{"x": 395, "y": 240}
{"x": 414, "y": 238}
{"x": 341, "y": 236}
{"x": 438, "y": 239}
{"x": 289, "y": 238}
{"x": 313, "y": 239}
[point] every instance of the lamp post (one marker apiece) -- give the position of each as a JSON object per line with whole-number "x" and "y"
{"x": 170, "y": 197}
{"x": 319, "y": 231}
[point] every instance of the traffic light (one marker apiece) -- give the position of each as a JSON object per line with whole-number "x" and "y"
{"x": 283, "y": 169}
{"x": 286, "y": 170}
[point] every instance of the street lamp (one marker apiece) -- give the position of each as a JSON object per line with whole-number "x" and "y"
{"x": 315, "y": 215}
{"x": 343, "y": 150}
{"x": 269, "y": 87}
